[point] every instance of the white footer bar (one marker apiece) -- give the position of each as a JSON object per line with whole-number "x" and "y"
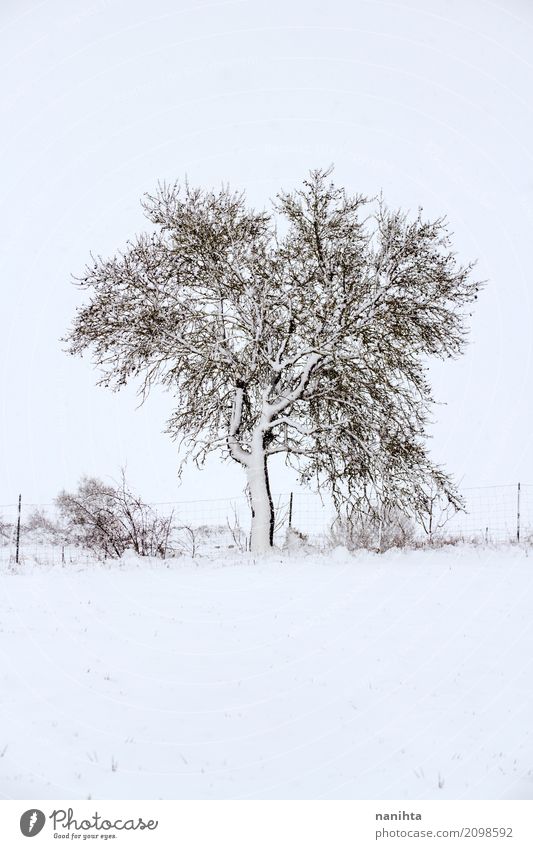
{"x": 269, "y": 824}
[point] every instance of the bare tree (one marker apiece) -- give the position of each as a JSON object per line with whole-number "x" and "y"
{"x": 305, "y": 332}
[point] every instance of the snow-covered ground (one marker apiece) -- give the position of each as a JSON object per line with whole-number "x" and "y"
{"x": 406, "y": 675}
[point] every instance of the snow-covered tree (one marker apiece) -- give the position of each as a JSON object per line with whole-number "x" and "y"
{"x": 305, "y": 332}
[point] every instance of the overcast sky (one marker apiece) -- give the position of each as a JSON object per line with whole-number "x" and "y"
{"x": 427, "y": 100}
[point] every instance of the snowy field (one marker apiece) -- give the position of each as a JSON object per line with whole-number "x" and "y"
{"x": 407, "y": 675}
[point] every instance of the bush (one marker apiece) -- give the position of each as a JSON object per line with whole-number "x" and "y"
{"x": 111, "y": 519}
{"x": 39, "y": 527}
{"x": 6, "y": 531}
{"x": 357, "y": 530}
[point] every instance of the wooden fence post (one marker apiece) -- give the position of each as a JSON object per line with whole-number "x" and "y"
{"x": 518, "y": 514}
{"x": 18, "y": 531}
{"x": 290, "y": 511}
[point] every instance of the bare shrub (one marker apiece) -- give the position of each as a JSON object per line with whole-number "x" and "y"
{"x": 184, "y": 540}
{"x": 6, "y": 531}
{"x": 111, "y": 519}
{"x": 39, "y": 527}
{"x": 237, "y": 532}
{"x": 356, "y": 530}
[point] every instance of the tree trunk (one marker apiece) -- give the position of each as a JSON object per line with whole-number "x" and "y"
{"x": 262, "y": 536}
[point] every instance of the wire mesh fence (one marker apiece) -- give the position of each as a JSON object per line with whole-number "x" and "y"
{"x": 203, "y": 527}
{"x": 501, "y": 513}
{"x": 495, "y": 514}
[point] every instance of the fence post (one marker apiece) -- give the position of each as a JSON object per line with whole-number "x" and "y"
{"x": 290, "y": 511}
{"x": 518, "y": 514}
{"x": 18, "y": 532}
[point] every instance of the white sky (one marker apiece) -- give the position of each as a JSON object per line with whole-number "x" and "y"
{"x": 428, "y": 100}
